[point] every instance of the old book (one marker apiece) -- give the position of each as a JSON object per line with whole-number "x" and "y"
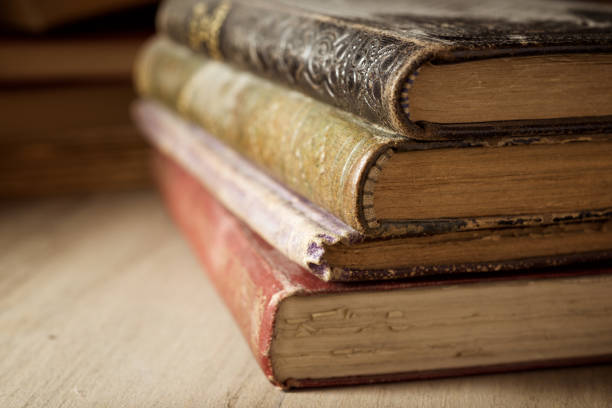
{"x": 332, "y": 250}
{"x": 374, "y": 180}
{"x": 40, "y": 15}
{"x": 64, "y": 109}
{"x": 82, "y": 58}
{"x": 77, "y": 160}
{"x": 431, "y": 69}
{"x": 305, "y": 332}
{"x": 59, "y": 138}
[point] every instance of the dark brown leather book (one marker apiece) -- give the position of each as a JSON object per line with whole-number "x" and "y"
{"x": 305, "y": 332}
{"x": 439, "y": 69}
{"x": 41, "y": 15}
{"x": 64, "y": 110}
{"x": 82, "y": 58}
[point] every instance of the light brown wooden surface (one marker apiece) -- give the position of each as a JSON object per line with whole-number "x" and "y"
{"x": 103, "y": 304}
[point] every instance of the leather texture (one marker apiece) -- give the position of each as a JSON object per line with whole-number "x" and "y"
{"x": 358, "y": 55}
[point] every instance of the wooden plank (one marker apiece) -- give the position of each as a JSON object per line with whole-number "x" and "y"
{"x": 103, "y": 304}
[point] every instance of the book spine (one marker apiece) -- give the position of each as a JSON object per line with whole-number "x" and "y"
{"x": 340, "y": 62}
{"x": 245, "y": 281}
{"x": 326, "y": 155}
{"x": 296, "y": 227}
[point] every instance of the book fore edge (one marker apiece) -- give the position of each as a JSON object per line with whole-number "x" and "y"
{"x": 367, "y": 194}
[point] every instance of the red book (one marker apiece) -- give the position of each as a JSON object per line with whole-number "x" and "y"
{"x": 306, "y": 332}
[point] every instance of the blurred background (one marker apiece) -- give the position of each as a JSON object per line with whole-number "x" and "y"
{"x": 65, "y": 92}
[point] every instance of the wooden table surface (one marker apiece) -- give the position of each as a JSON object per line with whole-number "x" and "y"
{"x": 103, "y": 304}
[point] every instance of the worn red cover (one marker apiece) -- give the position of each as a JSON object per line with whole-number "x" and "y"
{"x": 253, "y": 277}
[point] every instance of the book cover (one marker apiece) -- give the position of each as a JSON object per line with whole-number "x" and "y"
{"x": 257, "y": 282}
{"x": 370, "y": 58}
{"x": 331, "y": 249}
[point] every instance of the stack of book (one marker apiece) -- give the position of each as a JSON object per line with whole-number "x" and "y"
{"x": 65, "y": 91}
{"x": 392, "y": 190}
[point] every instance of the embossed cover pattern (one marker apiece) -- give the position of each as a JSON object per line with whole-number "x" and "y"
{"x": 359, "y": 55}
